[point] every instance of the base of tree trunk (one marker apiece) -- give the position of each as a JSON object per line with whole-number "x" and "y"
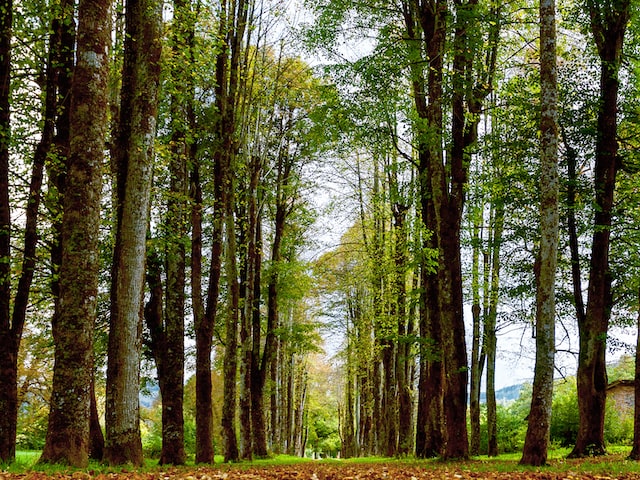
{"x": 64, "y": 450}
{"x": 124, "y": 453}
{"x": 591, "y": 450}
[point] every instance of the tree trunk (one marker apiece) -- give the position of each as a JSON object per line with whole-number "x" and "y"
{"x": 231, "y": 452}
{"x": 429, "y": 435}
{"x": 477, "y": 359}
{"x": 170, "y": 360}
{"x": 403, "y": 359}
{"x": 12, "y": 323}
{"x": 537, "y": 437}
{"x": 259, "y": 367}
{"x": 635, "y": 450}
{"x": 275, "y": 393}
{"x": 348, "y": 434}
{"x": 232, "y": 25}
{"x": 608, "y": 24}
{"x": 574, "y": 247}
{"x": 8, "y": 345}
{"x": 136, "y": 134}
{"x": 250, "y": 314}
{"x": 96, "y": 437}
{"x": 205, "y": 322}
{"x": 67, "y": 438}
{"x": 491, "y": 315}
{"x": 272, "y": 344}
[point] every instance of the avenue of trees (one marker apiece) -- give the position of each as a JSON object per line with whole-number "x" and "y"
{"x": 164, "y": 171}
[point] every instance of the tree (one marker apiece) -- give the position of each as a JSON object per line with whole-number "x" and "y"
{"x": 9, "y": 334}
{"x": 136, "y": 134}
{"x": 167, "y": 325}
{"x": 537, "y": 438}
{"x": 442, "y": 182}
{"x": 635, "y": 450}
{"x": 68, "y": 430}
{"x": 232, "y": 28}
{"x": 608, "y": 24}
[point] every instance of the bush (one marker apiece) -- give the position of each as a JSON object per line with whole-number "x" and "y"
{"x": 618, "y": 429}
{"x": 564, "y": 416}
{"x": 32, "y": 426}
{"x": 151, "y": 430}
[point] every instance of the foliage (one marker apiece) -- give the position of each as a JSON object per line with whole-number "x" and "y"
{"x": 564, "y": 419}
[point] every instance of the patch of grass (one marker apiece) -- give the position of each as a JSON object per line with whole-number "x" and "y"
{"x": 25, "y": 460}
{"x": 615, "y": 464}
{"x": 280, "y": 460}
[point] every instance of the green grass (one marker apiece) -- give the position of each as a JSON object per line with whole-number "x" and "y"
{"x": 613, "y": 464}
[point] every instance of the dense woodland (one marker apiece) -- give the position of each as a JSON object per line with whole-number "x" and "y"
{"x": 170, "y": 173}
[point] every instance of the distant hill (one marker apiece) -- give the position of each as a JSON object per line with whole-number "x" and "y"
{"x": 504, "y": 395}
{"x": 149, "y": 395}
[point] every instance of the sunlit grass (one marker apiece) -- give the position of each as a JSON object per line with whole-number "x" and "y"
{"x": 615, "y": 463}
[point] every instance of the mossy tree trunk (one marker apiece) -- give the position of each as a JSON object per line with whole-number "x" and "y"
{"x": 539, "y": 424}
{"x": 67, "y": 439}
{"x": 8, "y": 338}
{"x": 134, "y": 164}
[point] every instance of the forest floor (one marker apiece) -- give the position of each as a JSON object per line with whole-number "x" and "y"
{"x": 602, "y": 468}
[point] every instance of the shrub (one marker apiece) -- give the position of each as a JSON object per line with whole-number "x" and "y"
{"x": 618, "y": 428}
{"x": 564, "y": 416}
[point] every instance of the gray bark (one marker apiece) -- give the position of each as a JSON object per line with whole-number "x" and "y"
{"x": 537, "y": 437}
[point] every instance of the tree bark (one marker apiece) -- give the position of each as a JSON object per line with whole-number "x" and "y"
{"x": 67, "y": 438}
{"x": 537, "y": 437}
{"x": 96, "y": 437}
{"x": 403, "y": 359}
{"x": 427, "y": 21}
{"x": 250, "y": 313}
{"x": 477, "y": 359}
{"x": 169, "y": 331}
{"x": 9, "y": 345}
{"x": 136, "y": 135}
{"x": 635, "y": 449}
{"x": 491, "y": 315}
{"x": 12, "y": 322}
{"x": 608, "y": 24}
{"x": 205, "y": 321}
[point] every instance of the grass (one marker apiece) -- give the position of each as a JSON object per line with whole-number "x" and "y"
{"x": 615, "y": 463}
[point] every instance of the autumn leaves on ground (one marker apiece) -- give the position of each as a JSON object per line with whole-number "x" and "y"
{"x": 609, "y": 467}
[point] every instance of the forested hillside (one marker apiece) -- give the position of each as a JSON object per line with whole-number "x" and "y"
{"x": 315, "y": 227}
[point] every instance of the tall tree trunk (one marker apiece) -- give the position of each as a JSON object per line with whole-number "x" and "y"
{"x": 429, "y": 435}
{"x": 170, "y": 359}
{"x": 477, "y": 358}
{"x": 491, "y": 315}
{"x": 275, "y": 376}
{"x": 233, "y": 23}
{"x": 67, "y": 439}
{"x": 96, "y": 437}
{"x": 259, "y": 367}
{"x": 608, "y": 24}
{"x": 635, "y": 449}
{"x": 403, "y": 349}
{"x": 205, "y": 322}
{"x": 574, "y": 247}
{"x": 348, "y": 445}
{"x": 136, "y": 135}
{"x": 231, "y": 452}
{"x": 9, "y": 345}
{"x": 537, "y": 437}
{"x": 11, "y": 327}
{"x": 250, "y": 314}
{"x": 272, "y": 343}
